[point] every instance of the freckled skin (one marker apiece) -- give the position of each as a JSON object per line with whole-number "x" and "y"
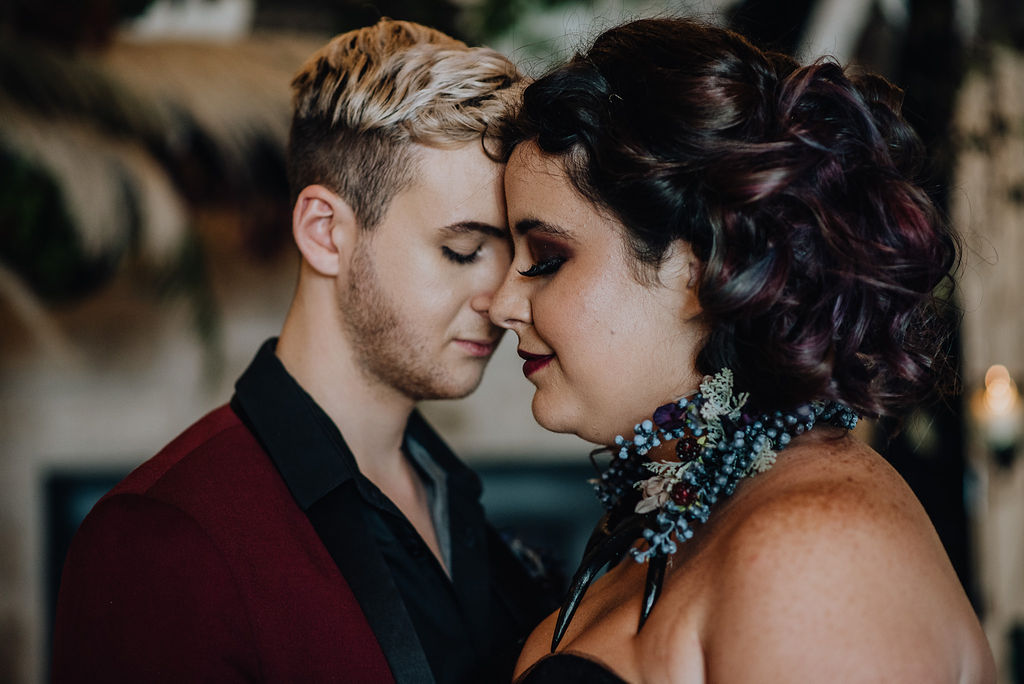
{"x": 823, "y": 569}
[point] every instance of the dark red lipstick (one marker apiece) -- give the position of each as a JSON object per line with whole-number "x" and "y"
{"x": 534, "y": 362}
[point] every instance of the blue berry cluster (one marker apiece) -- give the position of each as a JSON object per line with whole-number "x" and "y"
{"x": 714, "y": 456}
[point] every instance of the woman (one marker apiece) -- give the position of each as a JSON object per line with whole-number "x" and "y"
{"x": 695, "y": 218}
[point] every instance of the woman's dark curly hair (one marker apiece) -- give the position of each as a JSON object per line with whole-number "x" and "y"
{"x": 793, "y": 185}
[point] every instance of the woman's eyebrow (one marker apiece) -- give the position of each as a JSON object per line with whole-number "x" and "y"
{"x": 532, "y": 225}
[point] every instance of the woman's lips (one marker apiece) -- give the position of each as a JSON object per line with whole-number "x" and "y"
{"x": 534, "y": 362}
{"x": 478, "y": 348}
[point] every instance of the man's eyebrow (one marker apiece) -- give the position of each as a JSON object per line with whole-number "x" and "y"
{"x": 463, "y": 227}
{"x": 530, "y": 225}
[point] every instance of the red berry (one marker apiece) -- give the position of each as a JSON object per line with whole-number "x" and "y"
{"x": 687, "y": 449}
{"x": 681, "y": 494}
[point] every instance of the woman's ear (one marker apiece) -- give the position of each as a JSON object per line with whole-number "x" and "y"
{"x": 324, "y": 227}
{"x": 685, "y": 269}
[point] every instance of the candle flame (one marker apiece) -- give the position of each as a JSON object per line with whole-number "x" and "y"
{"x": 1000, "y": 396}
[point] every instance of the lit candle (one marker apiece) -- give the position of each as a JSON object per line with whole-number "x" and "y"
{"x": 997, "y": 409}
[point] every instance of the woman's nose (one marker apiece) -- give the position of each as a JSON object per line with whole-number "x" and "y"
{"x": 510, "y": 305}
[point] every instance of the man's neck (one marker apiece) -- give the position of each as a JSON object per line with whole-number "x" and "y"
{"x": 371, "y": 417}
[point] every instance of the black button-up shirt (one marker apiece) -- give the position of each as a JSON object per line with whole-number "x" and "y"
{"x": 466, "y": 628}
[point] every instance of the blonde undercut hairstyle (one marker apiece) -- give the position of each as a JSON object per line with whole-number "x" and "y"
{"x": 364, "y": 99}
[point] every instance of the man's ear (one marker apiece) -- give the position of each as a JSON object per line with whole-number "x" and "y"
{"x": 324, "y": 227}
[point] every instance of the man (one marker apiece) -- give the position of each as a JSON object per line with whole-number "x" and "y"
{"x": 317, "y": 529}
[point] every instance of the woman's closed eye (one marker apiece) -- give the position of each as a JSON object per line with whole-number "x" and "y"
{"x": 544, "y": 267}
{"x": 547, "y": 254}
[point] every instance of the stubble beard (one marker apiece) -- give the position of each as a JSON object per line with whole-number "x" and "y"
{"x": 388, "y": 350}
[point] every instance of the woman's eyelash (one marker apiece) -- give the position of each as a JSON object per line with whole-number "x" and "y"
{"x": 545, "y": 267}
{"x": 459, "y": 257}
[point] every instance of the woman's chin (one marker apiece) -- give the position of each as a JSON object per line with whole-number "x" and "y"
{"x": 557, "y": 419}
{"x": 551, "y": 424}
{"x": 552, "y": 418}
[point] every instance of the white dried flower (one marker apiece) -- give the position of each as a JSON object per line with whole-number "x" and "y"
{"x": 764, "y": 459}
{"x": 656, "y": 492}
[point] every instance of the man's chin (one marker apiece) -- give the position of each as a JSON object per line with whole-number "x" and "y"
{"x": 451, "y": 390}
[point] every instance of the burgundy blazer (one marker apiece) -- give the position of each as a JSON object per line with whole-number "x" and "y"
{"x": 200, "y": 567}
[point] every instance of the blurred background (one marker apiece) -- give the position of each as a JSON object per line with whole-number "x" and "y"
{"x": 145, "y": 253}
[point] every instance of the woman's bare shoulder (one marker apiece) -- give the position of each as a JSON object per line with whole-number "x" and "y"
{"x": 827, "y": 491}
{"x": 828, "y": 569}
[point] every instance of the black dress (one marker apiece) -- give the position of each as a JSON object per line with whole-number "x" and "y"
{"x": 568, "y": 668}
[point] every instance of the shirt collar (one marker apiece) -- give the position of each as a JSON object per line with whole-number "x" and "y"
{"x": 305, "y": 444}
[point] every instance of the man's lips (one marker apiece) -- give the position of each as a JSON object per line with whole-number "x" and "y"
{"x": 534, "y": 362}
{"x": 479, "y": 348}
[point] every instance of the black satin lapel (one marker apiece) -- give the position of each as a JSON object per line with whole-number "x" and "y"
{"x": 338, "y": 521}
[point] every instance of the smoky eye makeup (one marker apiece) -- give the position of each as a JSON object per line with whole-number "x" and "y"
{"x": 548, "y": 256}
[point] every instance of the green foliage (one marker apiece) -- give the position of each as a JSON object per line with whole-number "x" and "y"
{"x": 337, "y": 16}
{"x": 53, "y": 84}
{"x": 37, "y": 239}
{"x": 187, "y": 276}
{"x": 69, "y": 24}
{"x": 498, "y": 15}
{"x": 129, "y": 9}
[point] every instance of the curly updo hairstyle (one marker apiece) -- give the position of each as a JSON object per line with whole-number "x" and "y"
{"x": 793, "y": 185}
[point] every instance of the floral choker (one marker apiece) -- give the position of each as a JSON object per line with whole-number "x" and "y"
{"x": 720, "y": 441}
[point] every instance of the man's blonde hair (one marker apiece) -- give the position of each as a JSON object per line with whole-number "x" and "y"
{"x": 365, "y": 97}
